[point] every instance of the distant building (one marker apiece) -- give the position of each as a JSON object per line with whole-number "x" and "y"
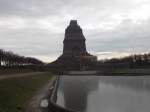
{"x": 74, "y": 47}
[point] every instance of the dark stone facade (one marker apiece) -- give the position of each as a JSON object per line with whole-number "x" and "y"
{"x": 74, "y": 47}
{"x": 74, "y": 41}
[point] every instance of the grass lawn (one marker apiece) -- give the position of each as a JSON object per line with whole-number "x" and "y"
{"x": 15, "y": 92}
{"x": 11, "y": 72}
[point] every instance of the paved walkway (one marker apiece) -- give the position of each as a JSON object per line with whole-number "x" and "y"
{"x": 34, "y": 105}
{"x": 17, "y": 75}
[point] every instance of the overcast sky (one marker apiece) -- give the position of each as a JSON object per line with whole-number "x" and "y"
{"x": 111, "y": 27}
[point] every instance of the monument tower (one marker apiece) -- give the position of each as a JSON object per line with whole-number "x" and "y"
{"x": 74, "y": 41}
{"x": 74, "y": 47}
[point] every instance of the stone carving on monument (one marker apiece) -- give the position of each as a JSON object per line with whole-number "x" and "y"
{"x": 74, "y": 47}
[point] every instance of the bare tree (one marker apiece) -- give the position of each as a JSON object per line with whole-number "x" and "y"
{"x": 9, "y": 59}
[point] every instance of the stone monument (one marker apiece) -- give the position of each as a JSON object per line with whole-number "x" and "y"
{"x": 74, "y": 47}
{"x": 74, "y": 41}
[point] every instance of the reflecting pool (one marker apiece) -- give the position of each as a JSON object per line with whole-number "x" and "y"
{"x": 104, "y": 93}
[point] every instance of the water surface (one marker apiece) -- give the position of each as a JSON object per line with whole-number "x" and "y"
{"x": 105, "y": 93}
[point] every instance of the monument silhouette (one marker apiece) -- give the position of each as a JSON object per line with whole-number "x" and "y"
{"x": 74, "y": 47}
{"x": 74, "y": 41}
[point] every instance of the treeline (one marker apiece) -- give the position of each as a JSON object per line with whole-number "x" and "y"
{"x": 132, "y": 61}
{"x": 9, "y": 59}
{"x": 137, "y": 58}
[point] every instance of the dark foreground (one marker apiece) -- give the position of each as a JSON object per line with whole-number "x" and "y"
{"x": 16, "y": 90}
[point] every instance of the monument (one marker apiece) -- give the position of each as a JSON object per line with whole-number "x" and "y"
{"x": 74, "y": 41}
{"x": 74, "y": 47}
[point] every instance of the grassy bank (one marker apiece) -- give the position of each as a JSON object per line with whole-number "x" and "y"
{"x": 15, "y": 71}
{"x": 133, "y": 71}
{"x": 125, "y": 72}
{"x": 15, "y": 92}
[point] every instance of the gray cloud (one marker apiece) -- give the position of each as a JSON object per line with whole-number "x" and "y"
{"x": 36, "y": 27}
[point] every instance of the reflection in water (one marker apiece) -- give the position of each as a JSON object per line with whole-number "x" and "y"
{"x": 105, "y": 93}
{"x": 75, "y": 90}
